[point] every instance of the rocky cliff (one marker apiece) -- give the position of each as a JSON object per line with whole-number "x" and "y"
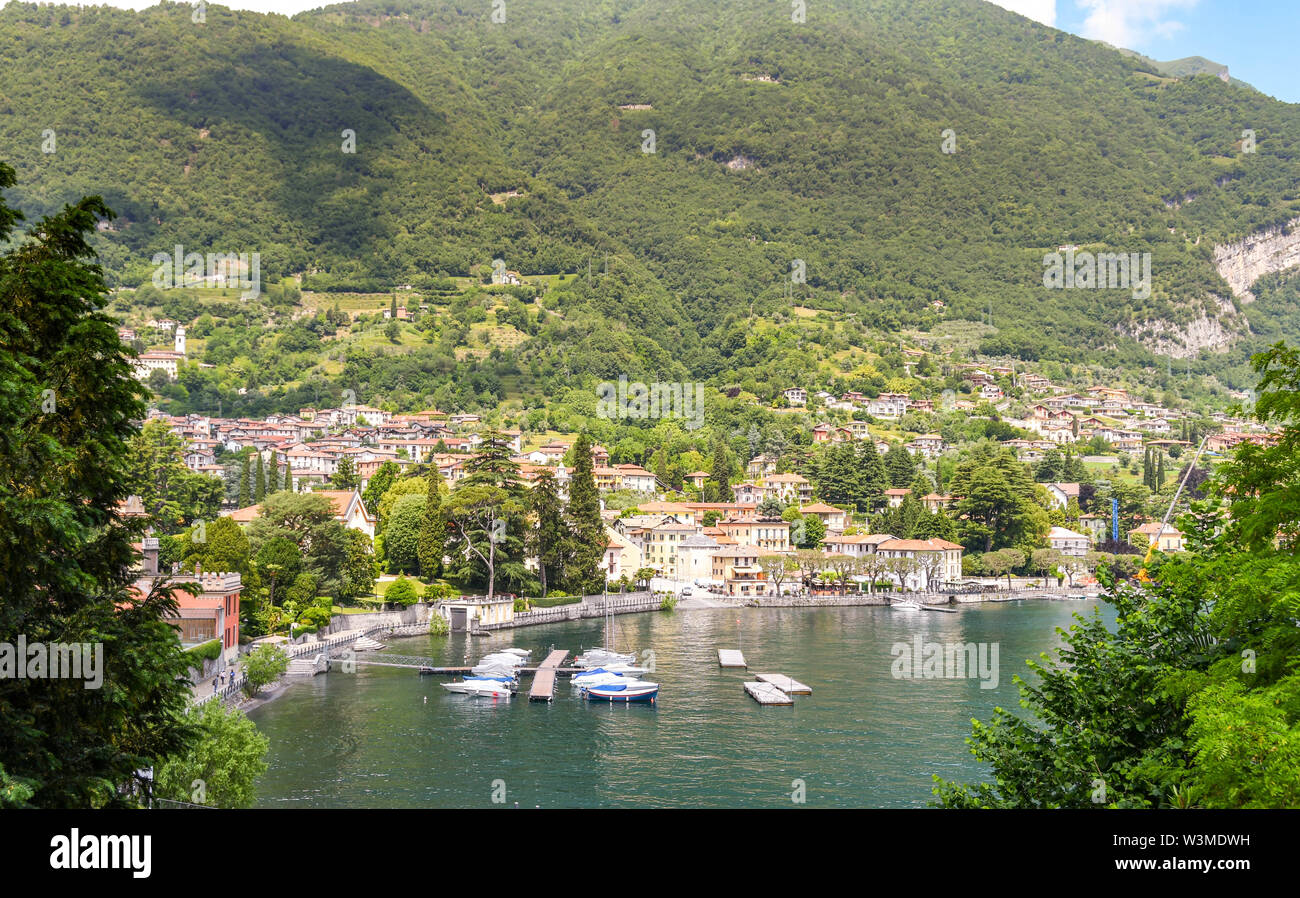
{"x": 1243, "y": 262}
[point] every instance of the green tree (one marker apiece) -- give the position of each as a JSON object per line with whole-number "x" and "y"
{"x": 585, "y": 548}
{"x": 245, "y": 492}
{"x": 358, "y": 568}
{"x": 718, "y": 486}
{"x": 225, "y": 761}
{"x": 67, "y": 406}
{"x": 379, "y": 483}
{"x": 900, "y": 466}
{"x": 433, "y": 529}
{"x": 262, "y": 667}
{"x": 402, "y": 534}
{"x": 1189, "y": 699}
{"x": 346, "y": 477}
{"x": 549, "y": 535}
{"x": 173, "y": 495}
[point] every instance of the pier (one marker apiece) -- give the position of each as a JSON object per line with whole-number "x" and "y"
{"x": 785, "y": 684}
{"x": 731, "y": 658}
{"x": 767, "y": 694}
{"x": 543, "y": 689}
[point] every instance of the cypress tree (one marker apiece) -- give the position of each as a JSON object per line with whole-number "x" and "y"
{"x": 548, "y": 535}
{"x": 874, "y": 478}
{"x": 261, "y": 480}
{"x": 432, "y": 540}
{"x": 245, "y": 497}
{"x": 288, "y": 475}
{"x": 586, "y": 544}
{"x": 718, "y": 487}
{"x": 273, "y": 475}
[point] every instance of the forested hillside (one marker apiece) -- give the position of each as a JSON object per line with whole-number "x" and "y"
{"x": 774, "y": 141}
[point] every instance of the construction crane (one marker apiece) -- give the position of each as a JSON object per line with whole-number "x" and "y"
{"x": 1155, "y": 540}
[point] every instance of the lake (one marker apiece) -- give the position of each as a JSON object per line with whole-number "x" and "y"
{"x": 388, "y": 738}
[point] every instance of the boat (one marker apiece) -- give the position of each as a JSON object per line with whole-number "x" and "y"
{"x": 495, "y": 687}
{"x": 598, "y": 677}
{"x": 602, "y": 658}
{"x": 905, "y": 605}
{"x": 494, "y": 670}
{"x": 629, "y": 691}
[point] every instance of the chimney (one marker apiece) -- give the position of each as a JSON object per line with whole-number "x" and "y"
{"x": 150, "y": 546}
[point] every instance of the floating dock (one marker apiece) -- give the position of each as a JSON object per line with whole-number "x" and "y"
{"x": 767, "y": 694}
{"x": 731, "y": 658}
{"x": 543, "y": 689}
{"x": 785, "y": 684}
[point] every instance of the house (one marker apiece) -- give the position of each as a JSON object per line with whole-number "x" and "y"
{"x": 659, "y": 544}
{"x": 1062, "y": 493}
{"x": 1170, "y": 539}
{"x": 738, "y": 570}
{"x": 936, "y": 561}
{"x": 895, "y": 496}
{"x": 888, "y": 405}
{"x": 790, "y": 488}
{"x": 767, "y": 536}
{"x": 158, "y": 360}
{"x": 697, "y": 478}
{"x": 929, "y": 446}
{"x": 834, "y": 518}
{"x": 1067, "y": 542}
{"x": 858, "y": 546}
{"x": 347, "y": 505}
{"x": 796, "y": 396}
{"x": 1096, "y": 525}
{"x": 211, "y": 614}
{"x": 934, "y": 502}
{"x": 695, "y": 558}
{"x": 761, "y": 465}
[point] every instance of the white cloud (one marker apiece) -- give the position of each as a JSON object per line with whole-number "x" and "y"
{"x": 1039, "y": 10}
{"x": 1131, "y": 23}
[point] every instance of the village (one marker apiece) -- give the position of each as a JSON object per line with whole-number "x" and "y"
{"x": 772, "y": 533}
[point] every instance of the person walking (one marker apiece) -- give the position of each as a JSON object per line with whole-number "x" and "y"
{"x": 214, "y": 685}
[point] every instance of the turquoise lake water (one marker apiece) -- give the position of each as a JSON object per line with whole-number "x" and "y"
{"x": 388, "y": 738}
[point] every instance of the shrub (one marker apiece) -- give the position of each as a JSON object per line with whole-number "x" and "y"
{"x": 205, "y": 651}
{"x": 402, "y": 591}
{"x": 438, "y": 625}
{"x": 668, "y": 603}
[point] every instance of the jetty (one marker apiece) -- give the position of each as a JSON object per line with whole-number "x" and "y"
{"x": 767, "y": 694}
{"x": 785, "y": 684}
{"x": 543, "y": 689}
{"x": 731, "y": 658}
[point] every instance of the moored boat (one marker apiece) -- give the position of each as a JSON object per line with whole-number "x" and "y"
{"x": 629, "y": 691}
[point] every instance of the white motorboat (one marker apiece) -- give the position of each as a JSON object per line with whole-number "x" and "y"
{"x": 494, "y": 687}
{"x": 905, "y": 605}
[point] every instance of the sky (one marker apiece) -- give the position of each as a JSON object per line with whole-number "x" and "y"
{"x": 1253, "y": 38}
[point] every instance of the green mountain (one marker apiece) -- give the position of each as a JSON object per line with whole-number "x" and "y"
{"x": 776, "y": 143}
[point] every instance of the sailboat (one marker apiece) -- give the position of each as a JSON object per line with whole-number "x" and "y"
{"x": 603, "y": 657}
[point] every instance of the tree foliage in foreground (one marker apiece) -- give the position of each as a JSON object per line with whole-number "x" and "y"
{"x": 67, "y": 402}
{"x": 1194, "y": 699}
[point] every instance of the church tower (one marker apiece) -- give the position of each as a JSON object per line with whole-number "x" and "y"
{"x": 180, "y": 339}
